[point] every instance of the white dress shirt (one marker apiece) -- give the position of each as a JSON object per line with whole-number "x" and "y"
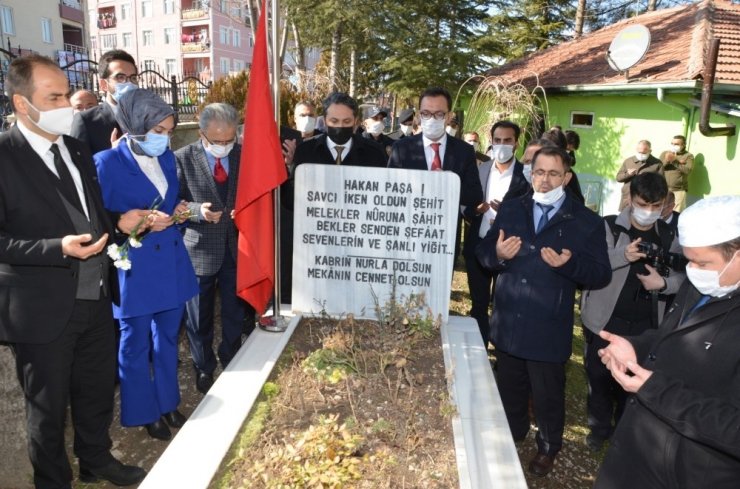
{"x": 150, "y": 166}
{"x": 496, "y": 187}
{"x": 429, "y": 151}
{"x": 333, "y": 148}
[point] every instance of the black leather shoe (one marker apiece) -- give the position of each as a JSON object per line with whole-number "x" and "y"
{"x": 203, "y": 382}
{"x": 541, "y": 465}
{"x": 175, "y": 419}
{"x": 159, "y": 430}
{"x": 115, "y": 472}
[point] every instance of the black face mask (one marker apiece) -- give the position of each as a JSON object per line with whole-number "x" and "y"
{"x": 340, "y": 135}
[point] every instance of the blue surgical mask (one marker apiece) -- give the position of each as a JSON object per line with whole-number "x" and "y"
{"x": 154, "y": 144}
{"x": 122, "y": 88}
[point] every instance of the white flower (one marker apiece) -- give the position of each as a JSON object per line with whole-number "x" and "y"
{"x": 114, "y": 252}
{"x": 123, "y": 264}
{"x": 134, "y": 242}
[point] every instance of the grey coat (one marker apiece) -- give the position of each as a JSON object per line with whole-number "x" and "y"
{"x": 206, "y": 242}
{"x": 597, "y": 305}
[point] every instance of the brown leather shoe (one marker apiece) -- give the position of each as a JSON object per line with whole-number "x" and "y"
{"x": 541, "y": 465}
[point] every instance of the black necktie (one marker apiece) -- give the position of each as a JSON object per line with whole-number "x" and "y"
{"x": 544, "y": 219}
{"x": 66, "y": 183}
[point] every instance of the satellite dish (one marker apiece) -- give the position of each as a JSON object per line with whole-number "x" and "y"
{"x": 628, "y": 47}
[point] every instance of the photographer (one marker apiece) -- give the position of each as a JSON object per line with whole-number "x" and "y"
{"x": 644, "y": 255}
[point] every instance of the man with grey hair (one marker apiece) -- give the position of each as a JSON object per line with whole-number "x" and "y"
{"x": 208, "y": 171}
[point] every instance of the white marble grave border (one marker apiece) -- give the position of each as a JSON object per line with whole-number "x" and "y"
{"x": 486, "y": 456}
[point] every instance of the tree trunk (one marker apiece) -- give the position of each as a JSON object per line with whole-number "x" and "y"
{"x": 336, "y": 41}
{"x": 651, "y": 6}
{"x": 352, "y": 72}
{"x": 580, "y": 14}
{"x": 300, "y": 57}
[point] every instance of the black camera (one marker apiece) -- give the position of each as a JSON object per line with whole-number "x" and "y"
{"x": 660, "y": 259}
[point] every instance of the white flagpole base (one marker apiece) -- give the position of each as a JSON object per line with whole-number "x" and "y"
{"x": 273, "y": 324}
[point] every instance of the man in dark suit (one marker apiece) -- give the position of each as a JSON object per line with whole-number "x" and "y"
{"x": 340, "y": 145}
{"x": 543, "y": 245}
{"x": 502, "y": 178}
{"x": 56, "y": 313}
{"x": 97, "y": 126}
{"x": 435, "y": 150}
{"x": 374, "y": 125}
{"x": 208, "y": 171}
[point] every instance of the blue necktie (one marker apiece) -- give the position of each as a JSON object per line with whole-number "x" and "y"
{"x": 544, "y": 219}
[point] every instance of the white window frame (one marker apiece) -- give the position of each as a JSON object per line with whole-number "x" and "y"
{"x": 46, "y": 33}
{"x": 104, "y": 38}
{"x": 8, "y": 20}
{"x": 223, "y": 35}
{"x": 236, "y": 38}
{"x": 169, "y": 38}
{"x": 147, "y": 9}
{"x": 225, "y": 63}
{"x": 125, "y": 11}
{"x": 171, "y": 9}
{"x": 167, "y": 63}
{"x": 238, "y": 65}
{"x": 147, "y": 34}
{"x": 581, "y": 113}
{"x": 126, "y": 39}
{"x": 149, "y": 64}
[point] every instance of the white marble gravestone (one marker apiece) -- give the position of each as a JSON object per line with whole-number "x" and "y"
{"x": 357, "y": 231}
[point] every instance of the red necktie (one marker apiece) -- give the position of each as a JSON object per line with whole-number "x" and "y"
{"x": 436, "y": 162}
{"x": 219, "y": 173}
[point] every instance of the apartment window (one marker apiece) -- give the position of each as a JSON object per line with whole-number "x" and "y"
{"x": 584, "y": 120}
{"x": 93, "y": 43}
{"x": 236, "y": 11}
{"x": 126, "y": 38}
{"x": 238, "y": 65}
{"x": 170, "y": 66}
{"x": 108, "y": 41}
{"x": 6, "y": 16}
{"x": 224, "y": 6}
{"x": 149, "y": 65}
{"x": 169, "y": 35}
{"x": 225, "y": 65}
{"x": 223, "y": 34}
{"x": 46, "y": 30}
{"x": 146, "y": 8}
{"x": 236, "y": 38}
{"x": 125, "y": 11}
{"x": 169, "y": 7}
{"x": 147, "y": 38}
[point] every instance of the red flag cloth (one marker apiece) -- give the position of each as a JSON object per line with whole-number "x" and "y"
{"x": 262, "y": 169}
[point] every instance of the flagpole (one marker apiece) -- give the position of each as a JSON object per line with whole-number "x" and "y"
{"x": 276, "y": 69}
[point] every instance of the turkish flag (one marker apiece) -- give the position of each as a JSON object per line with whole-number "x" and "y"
{"x": 262, "y": 169}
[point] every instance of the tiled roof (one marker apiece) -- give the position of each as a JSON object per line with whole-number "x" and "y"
{"x": 680, "y": 39}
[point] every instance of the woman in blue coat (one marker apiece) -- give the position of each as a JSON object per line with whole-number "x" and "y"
{"x": 140, "y": 173}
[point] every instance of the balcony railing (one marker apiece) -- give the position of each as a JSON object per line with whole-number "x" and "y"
{"x": 194, "y": 13}
{"x": 106, "y": 21}
{"x": 74, "y": 48}
{"x": 195, "y": 47}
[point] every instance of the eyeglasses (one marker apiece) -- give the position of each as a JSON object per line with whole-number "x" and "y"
{"x": 219, "y": 143}
{"x": 426, "y": 115}
{"x": 123, "y": 78}
{"x": 549, "y": 174}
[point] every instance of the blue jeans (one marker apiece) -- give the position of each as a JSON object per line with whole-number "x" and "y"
{"x": 200, "y": 315}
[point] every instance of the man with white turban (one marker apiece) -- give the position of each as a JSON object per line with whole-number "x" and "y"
{"x": 681, "y": 428}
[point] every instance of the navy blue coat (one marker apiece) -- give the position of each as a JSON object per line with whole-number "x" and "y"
{"x": 533, "y": 303}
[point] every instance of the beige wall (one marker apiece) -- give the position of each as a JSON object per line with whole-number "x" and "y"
{"x": 27, "y": 19}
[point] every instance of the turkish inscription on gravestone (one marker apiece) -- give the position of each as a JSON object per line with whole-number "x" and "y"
{"x": 359, "y": 230}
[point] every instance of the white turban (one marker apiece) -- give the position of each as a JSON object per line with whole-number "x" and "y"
{"x": 711, "y": 221}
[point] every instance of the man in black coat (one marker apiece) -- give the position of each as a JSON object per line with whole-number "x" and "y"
{"x": 56, "y": 311}
{"x": 543, "y": 245}
{"x": 97, "y": 127}
{"x": 680, "y": 426}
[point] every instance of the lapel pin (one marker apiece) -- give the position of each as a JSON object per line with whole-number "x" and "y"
{"x": 707, "y": 345}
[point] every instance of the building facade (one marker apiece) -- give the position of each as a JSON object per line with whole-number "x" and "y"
{"x": 200, "y": 38}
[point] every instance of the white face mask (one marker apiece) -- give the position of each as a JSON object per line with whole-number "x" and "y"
{"x": 55, "y": 121}
{"x": 707, "y": 281}
{"x": 305, "y": 123}
{"x": 644, "y": 217}
{"x": 219, "y": 150}
{"x": 502, "y": 152}
{"x": 432, "y": 128}
{"x": 375, "y": 128}
{"x": 641, "y": 156}
{"x": 405, "y": 129}
{"x": 527, "y": 170}
{"x": 451, "y": 131}
{"x": 548, "y": 198}
{"x": 675, "y": 148}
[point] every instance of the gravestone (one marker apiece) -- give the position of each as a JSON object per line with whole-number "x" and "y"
{"x": 359, "y": 232}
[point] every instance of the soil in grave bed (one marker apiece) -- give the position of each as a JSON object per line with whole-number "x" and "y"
{"x": 355, "y": 404}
